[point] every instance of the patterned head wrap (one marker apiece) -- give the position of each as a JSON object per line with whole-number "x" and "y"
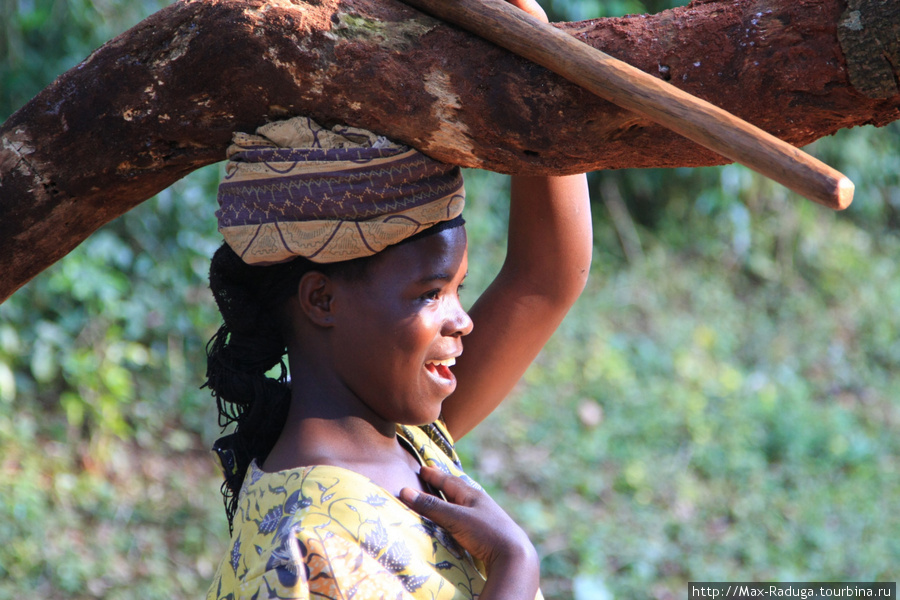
{"x": 297, "y": 189}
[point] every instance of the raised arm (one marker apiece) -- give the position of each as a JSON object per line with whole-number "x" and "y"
{"x": 548, "y": 256}
{"x": 546, "y": 267}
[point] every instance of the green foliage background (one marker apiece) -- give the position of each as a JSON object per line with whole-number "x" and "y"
{"x": 721, "y": 404}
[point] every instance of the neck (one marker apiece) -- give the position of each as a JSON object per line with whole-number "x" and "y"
{"x": 327, "y": 424}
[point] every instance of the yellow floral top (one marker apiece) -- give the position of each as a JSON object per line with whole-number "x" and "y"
{"x": 326, "y": 532}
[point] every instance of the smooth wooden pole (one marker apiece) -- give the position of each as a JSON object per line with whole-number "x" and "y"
{"x": 631, "y": 88}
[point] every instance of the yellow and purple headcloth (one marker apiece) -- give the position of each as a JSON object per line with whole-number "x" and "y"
{"x": 297, "y": 189}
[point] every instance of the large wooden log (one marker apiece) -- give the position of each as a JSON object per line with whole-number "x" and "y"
{"x": 163, "y": 98}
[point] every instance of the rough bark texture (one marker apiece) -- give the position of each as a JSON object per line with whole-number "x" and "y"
{"x": 163, "y": 98}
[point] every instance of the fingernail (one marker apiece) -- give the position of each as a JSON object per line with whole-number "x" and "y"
{"x": 408, "y": 495}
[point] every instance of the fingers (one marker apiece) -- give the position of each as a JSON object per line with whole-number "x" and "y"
{"x": 431, "y": 507}
{"x": 455, "y": 489}
{"x": 460, "y": 497}
{"x": 476, "y": 522}
{"x": 419, "y": 502}
{"x": 531, "y": 7}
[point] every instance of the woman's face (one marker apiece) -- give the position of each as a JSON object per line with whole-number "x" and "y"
{"x": 400, "y": 327}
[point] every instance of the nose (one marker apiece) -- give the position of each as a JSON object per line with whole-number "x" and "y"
{"x": 457, "y": 323}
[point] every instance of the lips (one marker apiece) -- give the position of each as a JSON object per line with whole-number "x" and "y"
{"x": 441, "y": 368}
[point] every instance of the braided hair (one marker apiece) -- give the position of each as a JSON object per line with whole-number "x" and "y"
{"x": 244, "y": 354}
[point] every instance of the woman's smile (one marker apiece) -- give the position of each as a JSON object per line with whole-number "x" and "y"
{"x": 440, "y": 371}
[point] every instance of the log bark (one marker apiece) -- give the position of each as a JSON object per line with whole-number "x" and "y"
{"x": 163, "y": 98}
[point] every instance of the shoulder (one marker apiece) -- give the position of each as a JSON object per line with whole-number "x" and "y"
{"x": 298, "y": 529}
{"x": 303, "y": 528}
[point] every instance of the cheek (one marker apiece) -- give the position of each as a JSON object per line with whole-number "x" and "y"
{"x": 396, "y": 340}
{"x": 413, "y": 339}
{"x": 410, "y": 345}
{"x": 426, "y": 327}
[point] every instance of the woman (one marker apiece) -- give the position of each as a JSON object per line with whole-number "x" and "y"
{"x": 327, "y": 475}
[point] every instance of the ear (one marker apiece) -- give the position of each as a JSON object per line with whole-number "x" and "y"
{"x": 315, "y": 294}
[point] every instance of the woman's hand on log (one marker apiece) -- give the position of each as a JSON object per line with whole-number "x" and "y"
{"x": 532, "y": 8}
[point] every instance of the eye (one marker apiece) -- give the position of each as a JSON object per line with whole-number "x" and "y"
{"x": 431, "y": 294}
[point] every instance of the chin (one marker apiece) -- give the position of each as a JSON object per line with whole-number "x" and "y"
{"x": 423, "y": 417}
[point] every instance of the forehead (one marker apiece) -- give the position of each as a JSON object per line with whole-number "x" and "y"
{"x": 442, "y": 253}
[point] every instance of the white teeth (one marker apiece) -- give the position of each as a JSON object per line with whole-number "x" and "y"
{"x": 443, "y": 363}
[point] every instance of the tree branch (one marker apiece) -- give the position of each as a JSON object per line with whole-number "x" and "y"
{"x": 163, "y": 98}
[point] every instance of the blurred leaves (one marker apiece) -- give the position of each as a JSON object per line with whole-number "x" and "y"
{"x": 105, "y": 480}
{"x": 745, "y": 366}
{"x": 40, "y": 39}
{"x": 721, "y": 404}
{"x": 103, "y": 430}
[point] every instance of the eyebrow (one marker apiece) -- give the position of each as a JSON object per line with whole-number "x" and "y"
{"x": 439, "y": 277}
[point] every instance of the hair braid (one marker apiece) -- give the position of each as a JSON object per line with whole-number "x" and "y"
{"x": 246, "y": 347}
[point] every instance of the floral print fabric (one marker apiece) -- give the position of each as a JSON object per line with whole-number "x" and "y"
{"x": 326, "y": 532}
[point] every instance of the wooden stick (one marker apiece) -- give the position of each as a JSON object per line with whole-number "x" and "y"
{"x": 631, "y": 88}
